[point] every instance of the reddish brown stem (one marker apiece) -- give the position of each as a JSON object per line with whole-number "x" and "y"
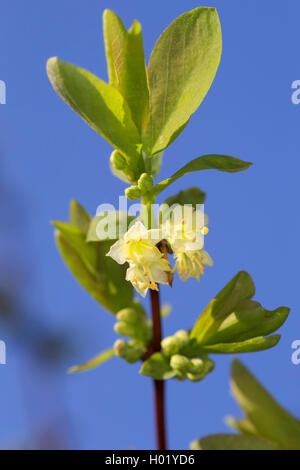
{"x": 159, "y": 385}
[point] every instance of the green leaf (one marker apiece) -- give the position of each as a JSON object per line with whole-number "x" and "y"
{"x": 114, "y": 33}
{"x": 79, "y": 217}
{"x": 181, "y": 70}
{"x": 158, "y": 367}
{"x": 240, "y": 288}
{"x": 206, "y": 162}
{"x": 269, "y": 419}
{"x": 191, "y": 196}
{"x": 126, "y": 64}
{"x": 94, "y": 362}
{"x": 244, "y": 426}
{"x": 232, "y": 323}
{"x": 76, "y": 240}
{"x": 99, "y": 104}
{"x": 233, "y": 442}
{"x": 100, "y": 275}
{"x": 108, "y": 286}
{"x": 117, "y": 221}
{"x": 250, "y": 345}
{"x": 247, "y": 320}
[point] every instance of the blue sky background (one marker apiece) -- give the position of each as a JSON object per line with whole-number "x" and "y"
{"x": 49, "y": 156}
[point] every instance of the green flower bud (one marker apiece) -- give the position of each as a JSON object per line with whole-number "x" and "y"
{"x": 199, "y": 369}
{"x": 180, "y": 363}
{"x": 182, "y": 336}
{"x": 125, "y": 329}
{"x": 134, "y": 324}
{"x": 128, "y": 351}
{"x": 133, "y": 192}
{"x": 145, "y": 182}
{"x": 196, "y": 366}
{"x": 194, "y": 377}
{"x": 130, "y": 315}
{"x": 172, "y": 344}
{"x": 117, "y": 160}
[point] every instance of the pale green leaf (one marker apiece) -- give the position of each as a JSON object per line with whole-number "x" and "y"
{"x": 250, "y": 345}
{"x": 126, "y": 64}
{"x": 79, "y": 217}
{"x": 233, "y": 442}
{"x": 270, "y": 420}
{"x": 94, "y": 362}
{"x": 240, "y": 288}
{"x": 100, "y": 275}
{"x": 99, "y": 104}
{"x": 191, "y": 196}
{"x": 158, "y": 367}
{"x": 206, "y": 162}
{"x": 181, "y": 70}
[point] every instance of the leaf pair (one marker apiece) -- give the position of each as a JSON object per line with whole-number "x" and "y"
{"x": 232, "y": 323}
{"x": 98, "y": 274}
{"x": 132, "y": 111}
{"x": 267, "y": 425}
{"x": 205, "y": 162}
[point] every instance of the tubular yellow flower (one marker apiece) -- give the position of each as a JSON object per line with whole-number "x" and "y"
{"x": 185, "y": 232}
{"x": 191, "y": 264}
{"x": 147, "y": 266}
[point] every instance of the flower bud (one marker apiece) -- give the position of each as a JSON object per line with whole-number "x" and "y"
{"x": 128, "y": 351}
{"x": 199, "y": 369}
{"x": 145, "y": 182}
{"x": 133, "y": 192}
{"x": 196, "y": 366}
{"x": 117, "y": 160}
{"x": 172, "y": 344}
{"x": 130, "y": 315}
{"x": 180, "y": 363}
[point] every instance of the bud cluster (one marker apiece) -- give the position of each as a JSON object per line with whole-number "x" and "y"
{"x": 193, "y": 369}
{"x": 134, "y": 324}
{"x": 144, "y": 185}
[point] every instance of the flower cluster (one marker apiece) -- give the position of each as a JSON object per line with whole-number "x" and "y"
{"x": 184, "y": 233}
{"x": 147, "y": 265}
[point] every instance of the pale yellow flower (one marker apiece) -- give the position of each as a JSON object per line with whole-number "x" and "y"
{"x": 191, "y": 263}
{"x": 147, "y": 266}
{"x": 185, "y": 232}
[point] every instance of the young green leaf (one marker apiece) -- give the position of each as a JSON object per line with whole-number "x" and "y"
{"x": 206, "y": 162}
{"x": 76, "y": 240}
{"x": 108, "y": 287}
{"x": 181, "y": 70}
{"x": 94, "y": 362}
{"x": 98, "y": 274}
{"x": 269, "y": 419}
{"x": 191, "y": 196}
{"x": 115, "y": 34}
{"x": 240, "y": 288}
{"x": 250, "y": 345}
{"x": 99, "y": 104}
{"x": 233, "y": 442}
{"x": 158, "y": 367}
{"x": 79, "y": 217}
{"x": 126, "y": 65}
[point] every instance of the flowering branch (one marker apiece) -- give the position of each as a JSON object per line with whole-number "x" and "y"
{"x": 140, "y": 112}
